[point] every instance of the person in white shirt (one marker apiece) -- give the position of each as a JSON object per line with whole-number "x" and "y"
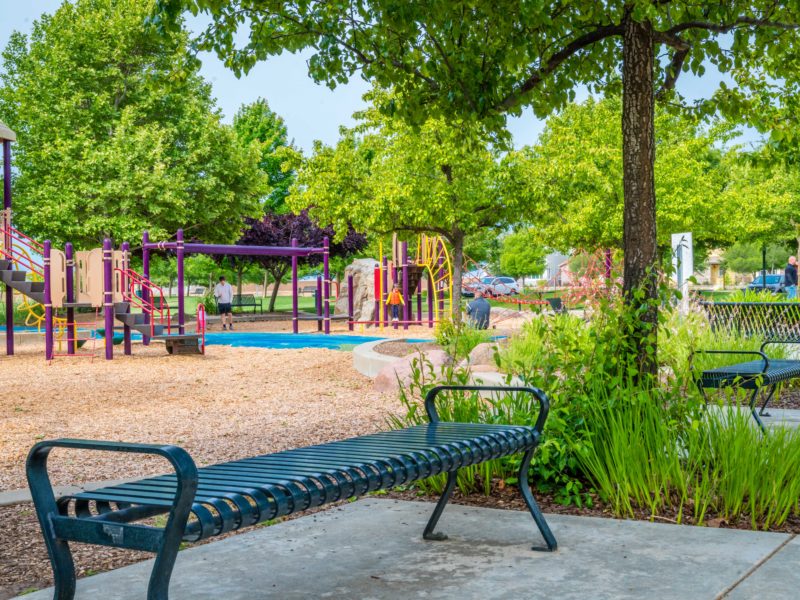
{"x": 223, "y": 292}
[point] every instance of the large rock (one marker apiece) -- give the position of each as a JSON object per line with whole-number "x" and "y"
{"x": 363, "y": 272}
{"x": 483, "y": 354}
{"x": 401, "y": 369}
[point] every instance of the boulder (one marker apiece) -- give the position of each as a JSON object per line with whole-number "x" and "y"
{"x": 363, "y": 272}
{"x": 387, "y": 379}
{"x": 483, "y": 354}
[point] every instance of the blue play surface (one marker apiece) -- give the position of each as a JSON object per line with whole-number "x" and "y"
{"x": 288, "y": 340}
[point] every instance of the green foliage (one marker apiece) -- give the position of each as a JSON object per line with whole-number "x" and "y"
{"x": 459, "y": 339}
{"x": 574, "y": 174}
{"x": 747, "y": 258}
{"x": 642, "y": 456}
{"x": 118, "y": 133}
{"x": 522, "y": 254}
{"x": 258, "y": 125}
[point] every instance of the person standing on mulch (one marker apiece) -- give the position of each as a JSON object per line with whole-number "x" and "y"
{"x": 395, "y": 300}
{"x": 223, "y": 292}
{"x": 790, "y": 278}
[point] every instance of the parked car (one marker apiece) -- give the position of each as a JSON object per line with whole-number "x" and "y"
{"x": 499, "y": 286}
{"x": 774, "y": 283}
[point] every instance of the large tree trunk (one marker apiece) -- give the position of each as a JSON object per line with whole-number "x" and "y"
{"x": 638, "y": 158}
{"x": 458, "y": 268}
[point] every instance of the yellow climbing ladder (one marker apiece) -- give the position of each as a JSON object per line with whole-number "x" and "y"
{"x": 432, "y": 254}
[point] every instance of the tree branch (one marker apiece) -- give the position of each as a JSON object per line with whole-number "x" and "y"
{"x": 559, "y": 57}
{"x": 742, "y": 21}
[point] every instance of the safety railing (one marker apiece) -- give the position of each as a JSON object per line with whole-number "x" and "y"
{"x": 129, "y": 281}
{"x": 12, "y": 238}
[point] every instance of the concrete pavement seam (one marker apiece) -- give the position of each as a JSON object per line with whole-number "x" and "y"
{"x": 726, "y": 592}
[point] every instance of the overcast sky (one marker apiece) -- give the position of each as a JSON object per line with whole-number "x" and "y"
{"x": 312, "y": 112}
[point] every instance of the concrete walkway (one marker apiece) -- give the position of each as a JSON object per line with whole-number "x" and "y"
{"x": 373, "y": 549}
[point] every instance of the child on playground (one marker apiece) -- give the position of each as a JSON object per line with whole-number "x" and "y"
{"x": 394, "y": 300}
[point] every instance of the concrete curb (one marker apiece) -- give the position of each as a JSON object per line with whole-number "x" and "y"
{"x": 369, "y": 362}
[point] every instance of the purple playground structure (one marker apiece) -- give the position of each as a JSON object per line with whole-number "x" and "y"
{"x": 102, "y": 279}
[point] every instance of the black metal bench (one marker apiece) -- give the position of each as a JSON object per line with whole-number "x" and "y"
{"x": 246, "y": 301}
{"x": 762, "y": 374}
{"x": 205, "y": 502}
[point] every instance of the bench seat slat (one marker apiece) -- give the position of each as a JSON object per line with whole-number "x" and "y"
{"x": 751, "y": 374}
{"x": 243, "y": 492}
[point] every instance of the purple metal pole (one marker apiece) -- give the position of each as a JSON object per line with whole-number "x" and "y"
{"x": 179, "y": 239}
{"x": 385, "y": 276}
{"x": 326, "y": 272}
{"x": 295, "y": 311}
{"x": 440, "y": 292}
{"x": 126, "y": 262}
{"x": 7, "y": 240}
{"x": 48, "y": 305}
{"x": 608, "y": 262}
{"x": 108, "y": 299}
{"x": 406, "y": 291}
{"x": 430, "y": 299}
{"x": 318, "y": 303}
{"x": 146, "y": 275}
{"x": 419, "y": 301}
{"x": 72, "y": 332}
{"x": 350, "y": 311}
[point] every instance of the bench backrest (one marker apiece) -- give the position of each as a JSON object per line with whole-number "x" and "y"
{"x": 244, "y": 299}
{"x": 767, "y": 320}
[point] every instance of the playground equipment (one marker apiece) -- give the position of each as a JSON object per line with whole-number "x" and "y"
{"x": 294, "y": 252}
{"x": 430, "y": 267}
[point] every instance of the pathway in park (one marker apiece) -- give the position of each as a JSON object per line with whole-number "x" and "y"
{"x": 372, "y": 549}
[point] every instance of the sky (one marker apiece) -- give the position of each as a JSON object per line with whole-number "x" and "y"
{"x": 311, "y": 111}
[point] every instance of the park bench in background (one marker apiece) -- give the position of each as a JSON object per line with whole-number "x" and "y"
{"x": 205, "y": 502}
{"x": 775, "y": 322}
{"x": 246, "y": 301}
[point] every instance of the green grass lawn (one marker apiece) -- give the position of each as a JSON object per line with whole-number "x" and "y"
{"x": 282, "y": 304}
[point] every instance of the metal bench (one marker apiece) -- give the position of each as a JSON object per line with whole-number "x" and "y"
{"x": 756, "y": 375}
{"x": 209, "y": 501}
{"x": 246, "y": 301}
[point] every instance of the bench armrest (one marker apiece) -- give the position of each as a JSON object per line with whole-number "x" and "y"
{"x": 760, "y": 353}
{"x": 544, "y": 403}
{"x": 42, "y": 490}
{"x": 768, "y": 342}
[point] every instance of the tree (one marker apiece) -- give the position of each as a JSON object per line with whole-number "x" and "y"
{"x": 486, "y": 59}
{"x": 256, "y": 123}
{"x": 279, "y": 229}
{"x": 522, "y": 254}
{"x": 574, "y": 174}
{"x": 118, "y": 132}
{"x": 386, "y": 176}
{"x": 748, "y": 258}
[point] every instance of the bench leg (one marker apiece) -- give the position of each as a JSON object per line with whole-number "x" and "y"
{"x": 45, "y": 503}
{"x": 536, "y": 512}
{"x": 753, "y": 399}
{"x": 429, "y": 534}
{"x": 766, "y": 401}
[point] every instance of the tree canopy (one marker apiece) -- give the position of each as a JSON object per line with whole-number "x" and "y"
{"x": 574, "y": 175}
{"x": 117, "y": 132}
{"x": 522, "y": 254}
{"x": 256, "y": 123}
{"x": 385, "y": 176}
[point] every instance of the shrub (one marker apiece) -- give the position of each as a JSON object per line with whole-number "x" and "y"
{"x": 458, "y": 340}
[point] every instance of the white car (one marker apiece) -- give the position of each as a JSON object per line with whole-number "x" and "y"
{"x": 499, "y": 286}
